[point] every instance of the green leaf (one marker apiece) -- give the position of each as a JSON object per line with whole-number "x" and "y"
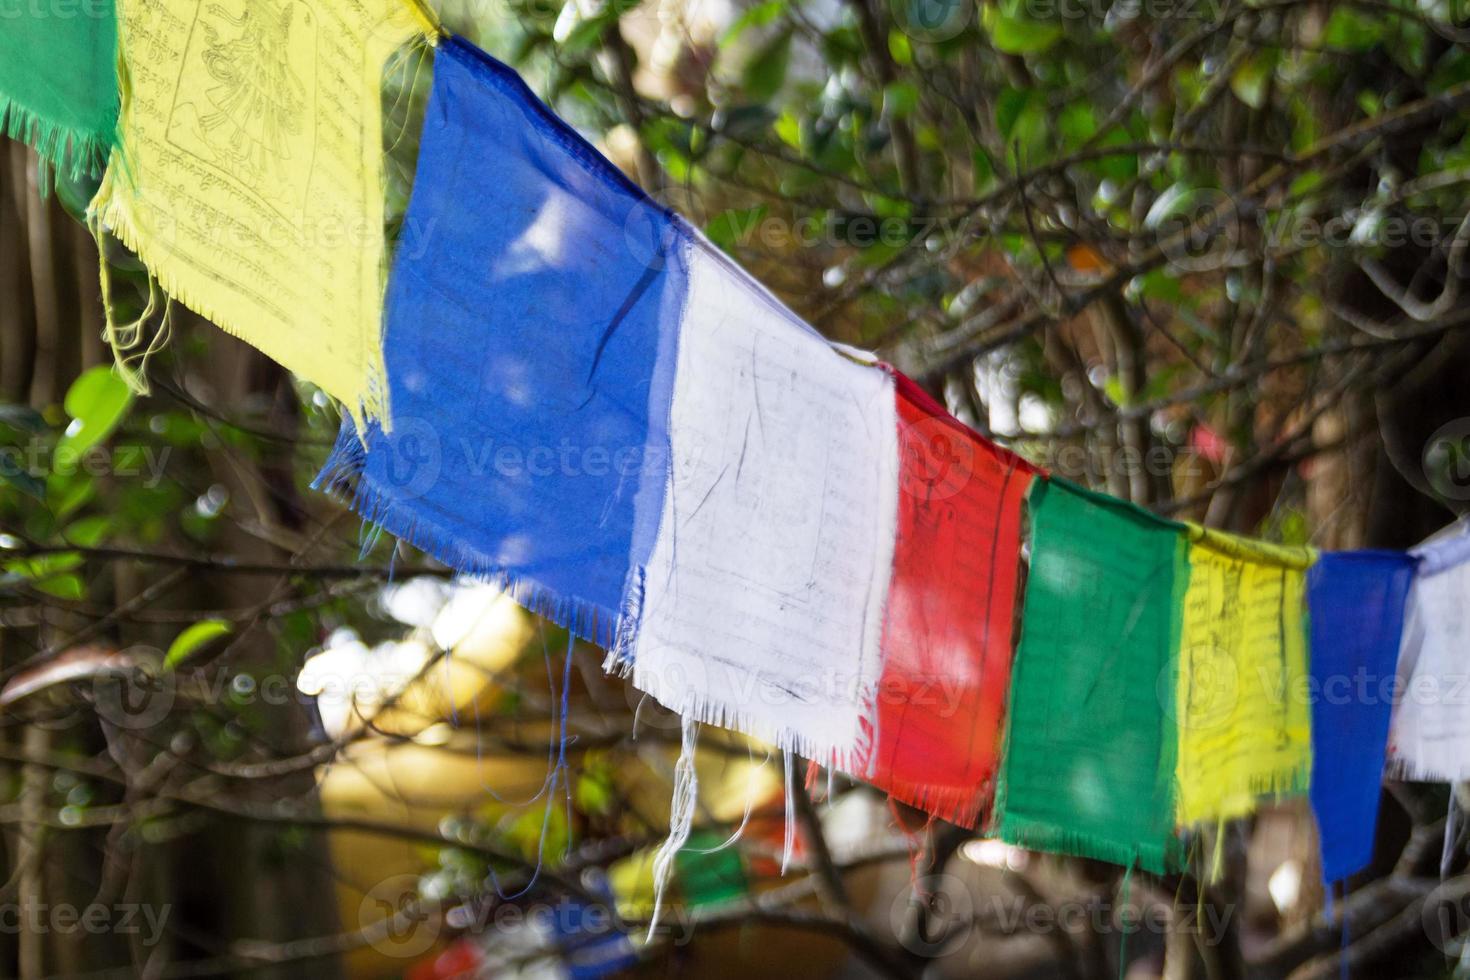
{"x": 87, "y": 532}
{"x": 735, "y": 226}
{"x": 43, "y": 566}
{"x": 760, "y": 15}
{"x": 765, "y": 73}
{"x": 1008, "y": 108}
{"x": 595, "y": 793}
{"x": 14, "y": 474}
{"x": 984, "y": 170}
{"x": 96, "y": 402}
{"x": 68, "y": 494}
{"x": 1013, "y": 33}
{"x": 193, "y": 638}
{"x": 900, "y": 48}
{"x": 1177, "y": 199}
{"x": 1021, "y": 118}
{"x": 1351, "y": 30}
{"x": 64, "y": 587}
{"x": 900, "y": 99}
{"x": 1252, "y": 80}
{"x": 585, "y": 35}
{"x": 1077, "y": 123}
{"x": 788, "y": 128}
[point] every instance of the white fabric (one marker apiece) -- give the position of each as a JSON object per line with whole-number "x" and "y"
{"x": 1429, "y": 737}
{"x": 763, "y": 601}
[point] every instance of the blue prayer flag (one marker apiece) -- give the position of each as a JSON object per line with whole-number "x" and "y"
{"x": 531, "y": 317}
{"x": 1356, "y": 603}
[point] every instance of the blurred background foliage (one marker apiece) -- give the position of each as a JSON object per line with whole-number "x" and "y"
{"x": 1207, "y": 256}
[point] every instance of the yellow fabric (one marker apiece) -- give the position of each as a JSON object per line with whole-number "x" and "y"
{"x": 250, "y": 178}
{"x": 1244, "y": 717}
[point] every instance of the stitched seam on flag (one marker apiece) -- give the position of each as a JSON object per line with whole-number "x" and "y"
{"x": 1443, "y": 556}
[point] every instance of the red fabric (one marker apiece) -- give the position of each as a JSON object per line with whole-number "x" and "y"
{"x": 948, "y": 626}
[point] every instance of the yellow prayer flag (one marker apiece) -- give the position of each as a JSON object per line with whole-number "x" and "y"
{"x": 1244, "y": 717}
{"x": 250, "y": 173}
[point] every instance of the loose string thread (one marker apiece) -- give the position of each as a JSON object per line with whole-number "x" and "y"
{"x": 749, "y": 806}
{"x": 125, "y": 339}
{"x": 681, "y": 818}
{"x": 428, "y": 20}
{"x": 554, "y": 782}
{"x": 1124, "y": 894}
{"x": 1451, "y": 835}
{"x": 790, "y": 839}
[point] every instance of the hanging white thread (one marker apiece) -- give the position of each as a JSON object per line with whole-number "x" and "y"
{"x": 790, "y": 812}
{"x": 681, "y": 818}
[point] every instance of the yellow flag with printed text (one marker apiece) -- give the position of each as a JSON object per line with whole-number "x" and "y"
{"x": 250, "y": 174}
{"x": 1244, "y": 716}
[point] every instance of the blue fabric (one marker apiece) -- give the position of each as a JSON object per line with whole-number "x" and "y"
{"x": 531, "y": 322}
{"x": 592, "y": 940}
{"x": 1356, "y": 603}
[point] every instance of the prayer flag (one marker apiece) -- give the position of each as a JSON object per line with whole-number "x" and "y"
{"x": 249, "y": 175}
{"x": 1244, "y": 721}
{"x": 1091, "y": 740}
{"x": 58, "y": 81}
{"x": 947, "y": 633}
{"x": 1429, "y": 738}
{"x": 529, "y": 341}
{"x": 763, "y": 602}
{"x": 1355, "y": 601}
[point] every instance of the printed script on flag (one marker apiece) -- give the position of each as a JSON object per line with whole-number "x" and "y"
{"x": 1244, "y": 717}
{"x": 947, "y": 630}
{"x": 250, "y": 179}
{"x": 763, "y": 601}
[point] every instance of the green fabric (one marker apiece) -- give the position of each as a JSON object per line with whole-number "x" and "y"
{"x": 1089, "y": 764}
{"x": 58, "y": 81}
{"x": 709, "y": 874}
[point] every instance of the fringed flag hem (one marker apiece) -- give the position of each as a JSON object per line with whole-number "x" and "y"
{"x": 343, "y": 476}
{"x": 69, "y": 150}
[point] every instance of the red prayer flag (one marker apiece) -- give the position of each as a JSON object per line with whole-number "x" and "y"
{"x": 948, "y": 627}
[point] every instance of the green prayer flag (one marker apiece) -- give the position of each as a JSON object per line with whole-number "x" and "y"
{"x": 1093, "y": 735}
{"x": 58, "y": 82}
